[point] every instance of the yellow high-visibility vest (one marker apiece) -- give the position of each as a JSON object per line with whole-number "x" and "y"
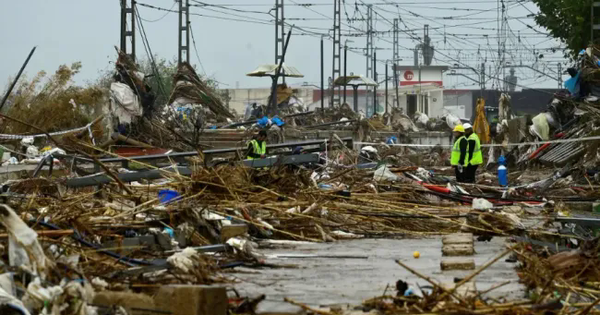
{"x": 455, "y": 156}
{"x": 477, "y": 158}
{"x": 257, "y": 148}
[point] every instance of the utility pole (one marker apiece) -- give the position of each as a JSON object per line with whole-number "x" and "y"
{"x": 337, "y": 49}
{"x": 395, "y": 58}
{"x": 560, "y": 80}
{"x": 375, "y": 78}
{"x": 345, "y": 67}
{"x": 369, "y": 50}
{"x": 595, "y": 26}
{"x": 396, "y": 83}
{"x": 482, "y": 78}
{"x": 128, "y": 19}
{"x": 322, "y": 76}
{"x": 184, "y": 31}
{"x": 386, "y": 86}
{"x": 396, "y": 53}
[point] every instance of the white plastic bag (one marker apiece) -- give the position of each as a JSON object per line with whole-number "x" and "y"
{"x": 184, "y": 260}
{"x": 452, "y": 121}
{"x": 383, "y": 173}
{"x": 8, "y": 299}
{"x": 126, "y": 102}
{"x": 482, "y": 204}
{"x": 27, "y": 141}
{"x": 17, "y": 255}
{"x": 25, "y": 237}
{"x": 421, "y": 118}
{"x": 32, "y": 151}
{"x": 369, "y": 149}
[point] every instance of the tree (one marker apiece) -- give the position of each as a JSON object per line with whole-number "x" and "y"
{"x": 166, "y": 70}
{"x": 53, "y": 103}
{"x": 567, "y": 20}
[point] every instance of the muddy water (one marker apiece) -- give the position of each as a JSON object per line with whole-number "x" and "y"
{"x": 335, "y": 281}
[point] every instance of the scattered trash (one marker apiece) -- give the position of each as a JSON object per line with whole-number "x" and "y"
{"x": 482, "y": 204}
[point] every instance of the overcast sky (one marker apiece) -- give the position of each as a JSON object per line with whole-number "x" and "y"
{"x": 87, "y": 30}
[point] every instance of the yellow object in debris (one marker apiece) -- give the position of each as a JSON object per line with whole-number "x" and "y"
{"x": 416, "y": 254}
{"x": 481, "y": 126}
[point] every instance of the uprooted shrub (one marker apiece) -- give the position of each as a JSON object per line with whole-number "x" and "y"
{"x": 52, "y": 103}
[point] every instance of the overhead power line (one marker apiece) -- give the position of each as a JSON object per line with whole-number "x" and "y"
{"x": 313, "y": 4}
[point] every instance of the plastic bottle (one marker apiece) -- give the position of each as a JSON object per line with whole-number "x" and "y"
{"x": 502, "y": 172}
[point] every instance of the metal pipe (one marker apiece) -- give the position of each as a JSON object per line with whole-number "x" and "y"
{"x": 375, "y": 77}
{"x": 331, "y": 124}
{"x": 277, "y": 74}
{"x": 12, "y": 86}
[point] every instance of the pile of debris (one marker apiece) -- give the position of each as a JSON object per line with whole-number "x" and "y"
{"x": 567, "y": 128}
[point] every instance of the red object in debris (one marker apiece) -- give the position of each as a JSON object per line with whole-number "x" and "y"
{"x": 440, "y": 189}
{"x": 538, "y": 151}
{"x": 528, "y": 247}
{"x": 545, "y": 146}
{"x": 136, "y": 151}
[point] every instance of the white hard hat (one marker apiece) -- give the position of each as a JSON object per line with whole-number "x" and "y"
{"x": 467, "y": 126}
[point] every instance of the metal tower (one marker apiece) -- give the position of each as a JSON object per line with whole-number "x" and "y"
{"x": 184, "y": 31}
{"x": 369, "y": 49}
{"x": 502, "y": 35}
{"x": 337, "y": 48}
{"x": 128, "y": 22}
{"x": 279, "y": 30}
{"x": 396, "y": 52}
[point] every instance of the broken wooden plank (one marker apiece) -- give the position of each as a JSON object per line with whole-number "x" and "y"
{"x": 458, "y": 238}
{"x": 457, "y": 263}
{"x": 458, "y": 250}
{"x": 47, "y": 233}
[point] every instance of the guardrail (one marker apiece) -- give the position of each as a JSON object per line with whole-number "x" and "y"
{"x": 320, "y": 143}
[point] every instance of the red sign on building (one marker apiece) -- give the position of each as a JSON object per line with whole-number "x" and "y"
{"x": 408, "y": 75}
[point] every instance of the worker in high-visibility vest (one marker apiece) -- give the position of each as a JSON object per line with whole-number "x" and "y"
{"x": 458, "y": 157}
{"x": 257, "y": 147}
{"x": 475, "y": 156}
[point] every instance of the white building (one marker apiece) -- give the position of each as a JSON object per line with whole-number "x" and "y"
{"x": 421, "y": 89}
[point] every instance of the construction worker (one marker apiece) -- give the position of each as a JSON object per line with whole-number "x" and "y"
{"x": 257, "y": 147}
{"x": 459, "y": 153}
{"x": 475, "y": 156}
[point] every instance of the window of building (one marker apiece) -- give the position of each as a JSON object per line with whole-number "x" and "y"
{"x": 424, "y": 104}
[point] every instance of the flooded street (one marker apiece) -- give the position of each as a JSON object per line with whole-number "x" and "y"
{"x": 334, "y": 281}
